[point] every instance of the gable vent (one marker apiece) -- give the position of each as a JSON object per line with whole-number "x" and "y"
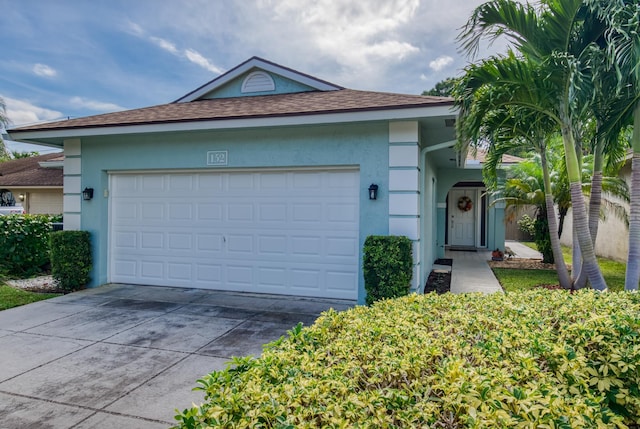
{"x": 258, "y": 82}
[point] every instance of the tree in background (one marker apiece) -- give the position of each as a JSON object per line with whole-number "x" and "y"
{"x": 444, "y": 88}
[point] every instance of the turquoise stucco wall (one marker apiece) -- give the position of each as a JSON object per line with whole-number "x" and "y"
{"x": 429, "y": 224}
{"x": 233, "y": 88}
{"x": 363, "y": 145}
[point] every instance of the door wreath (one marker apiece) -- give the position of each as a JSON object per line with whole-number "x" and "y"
{"x": 465, "y": 204}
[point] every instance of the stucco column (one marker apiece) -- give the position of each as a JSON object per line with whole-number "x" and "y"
{"x": 442, "y": 225}
{"x": 72, "y": 185}
{"x": 404, "y": 188}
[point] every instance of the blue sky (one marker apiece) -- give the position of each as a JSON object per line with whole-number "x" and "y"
{"x": 73, "y": 58}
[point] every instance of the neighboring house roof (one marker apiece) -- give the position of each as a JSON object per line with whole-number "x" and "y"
{"x": 261, "y": 106}
{"x": 30, "y": 172}
{"x": 478, "y": 157}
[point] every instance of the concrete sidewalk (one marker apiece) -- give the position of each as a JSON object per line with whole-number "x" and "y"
{"x": 522, "y": 251}
{"x": 471, "y": 273}
{"x": 122, "y": 356}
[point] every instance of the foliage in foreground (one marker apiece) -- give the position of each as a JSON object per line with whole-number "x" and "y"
{"x": 531, "y": 359}
{"x": 10, "y": 297}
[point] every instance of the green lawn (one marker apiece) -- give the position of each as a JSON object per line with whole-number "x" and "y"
{"x": 513, "y": 280}
{"x": 10, "y": 297}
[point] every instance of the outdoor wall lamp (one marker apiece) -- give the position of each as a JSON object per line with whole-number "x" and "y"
{"x": 21, "y": 197}
{"x": 373, "y": 192}
{"x": 87, "y": 194}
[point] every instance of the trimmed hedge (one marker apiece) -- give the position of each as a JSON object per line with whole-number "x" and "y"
{"x": 533, "y": 359}
{"x": 70, "y": 259}
{"x": 387, "y": 266}
{"x": 24, "y": 243}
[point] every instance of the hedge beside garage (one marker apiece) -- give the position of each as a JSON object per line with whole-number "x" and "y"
{"x": 533, "y": 359}
{"x": 24, "y": 243}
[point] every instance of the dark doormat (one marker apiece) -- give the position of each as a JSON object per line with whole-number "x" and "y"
{"x": 438, "y": 282}
{"x": 443, "y": 261}
{"x": 463, "y": 249}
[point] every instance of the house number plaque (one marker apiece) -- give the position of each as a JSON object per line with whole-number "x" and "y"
{"x": 217, "y": 157}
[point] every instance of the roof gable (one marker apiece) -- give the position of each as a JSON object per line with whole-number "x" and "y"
{"x": 252, "y": 77}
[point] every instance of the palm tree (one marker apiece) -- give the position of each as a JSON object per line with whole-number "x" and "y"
{"x": 503, "y": 130}
{"x": 4, "y": 122}
{"x": 548, "y": 76}
{"x": 623, "y": 18}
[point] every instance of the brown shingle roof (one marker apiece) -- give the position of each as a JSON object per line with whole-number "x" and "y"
{"x": 27, "y": 172}
{"x": 303, "y": 103}
{"x": 480, "y": 155}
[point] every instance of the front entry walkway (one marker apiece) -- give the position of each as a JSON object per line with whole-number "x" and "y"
{"x": 471, "y": 273}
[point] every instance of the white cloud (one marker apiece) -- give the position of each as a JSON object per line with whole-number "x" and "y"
{"x": 164, "y": 44}
{"x": 134, "y": 29}
{"x": 440, "y": 63}
{"x": 99, "y": 106}
{"x": 22, "y": 112}
{"x": 357, "y": 34}
{"x": 197, "y": 58}
{"x": 44, "y": 70}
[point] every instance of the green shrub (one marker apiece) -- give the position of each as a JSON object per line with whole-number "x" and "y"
{"x": 387, "y": 266}
{"x": 527, "y": 224}
{"x": 533, "y": 359}
{"x": 70, "y": 259}
{"x": 24, "y": 244}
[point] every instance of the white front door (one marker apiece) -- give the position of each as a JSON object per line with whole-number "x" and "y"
{"x": 285, "y": 232}
{"x": 462, "y": 218}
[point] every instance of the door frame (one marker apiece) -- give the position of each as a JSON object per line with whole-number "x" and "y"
{"x": 476, "y": 193}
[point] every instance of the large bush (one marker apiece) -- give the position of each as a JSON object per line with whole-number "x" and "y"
{"x": 24, "y": 243}
{"x": 71, "y": 259}
{"x": 535, "y": 359}
{"x": 387, "y": 266}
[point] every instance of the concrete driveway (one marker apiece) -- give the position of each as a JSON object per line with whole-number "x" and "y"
{"x": 123, "y": 356}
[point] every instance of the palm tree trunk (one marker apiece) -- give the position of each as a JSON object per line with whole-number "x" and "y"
{"x": 632, "y": 277}
{"x": 561, "y": 268}
{"x": 576, "y": 255}
{"x": 580, "y": 221}
{"x": 595, "y": 201}
{"x": 562, "y": 214}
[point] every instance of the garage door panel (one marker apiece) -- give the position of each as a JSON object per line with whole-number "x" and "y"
{"x": 270, "y": 212}
{"x": 178, "y": 271}
{"x": 287, "y": 232}
{"x": 240, "y": 275}
{"x": 272, "y": 244}
{"x": 340, "y": 246}
{"x": 240, "y": 212}
{"x": 340, "y": 281}
{"x": 307, "y": 212}
{"x": 209, "y": 243}
{"x": 240, "y": 244}
{"x": 151, "y": 270}
{"x": 152, "y": 184}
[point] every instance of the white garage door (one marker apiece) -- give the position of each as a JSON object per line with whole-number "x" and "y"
{"x": 284, "y": 232}
{"x": 45, "y": 202}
